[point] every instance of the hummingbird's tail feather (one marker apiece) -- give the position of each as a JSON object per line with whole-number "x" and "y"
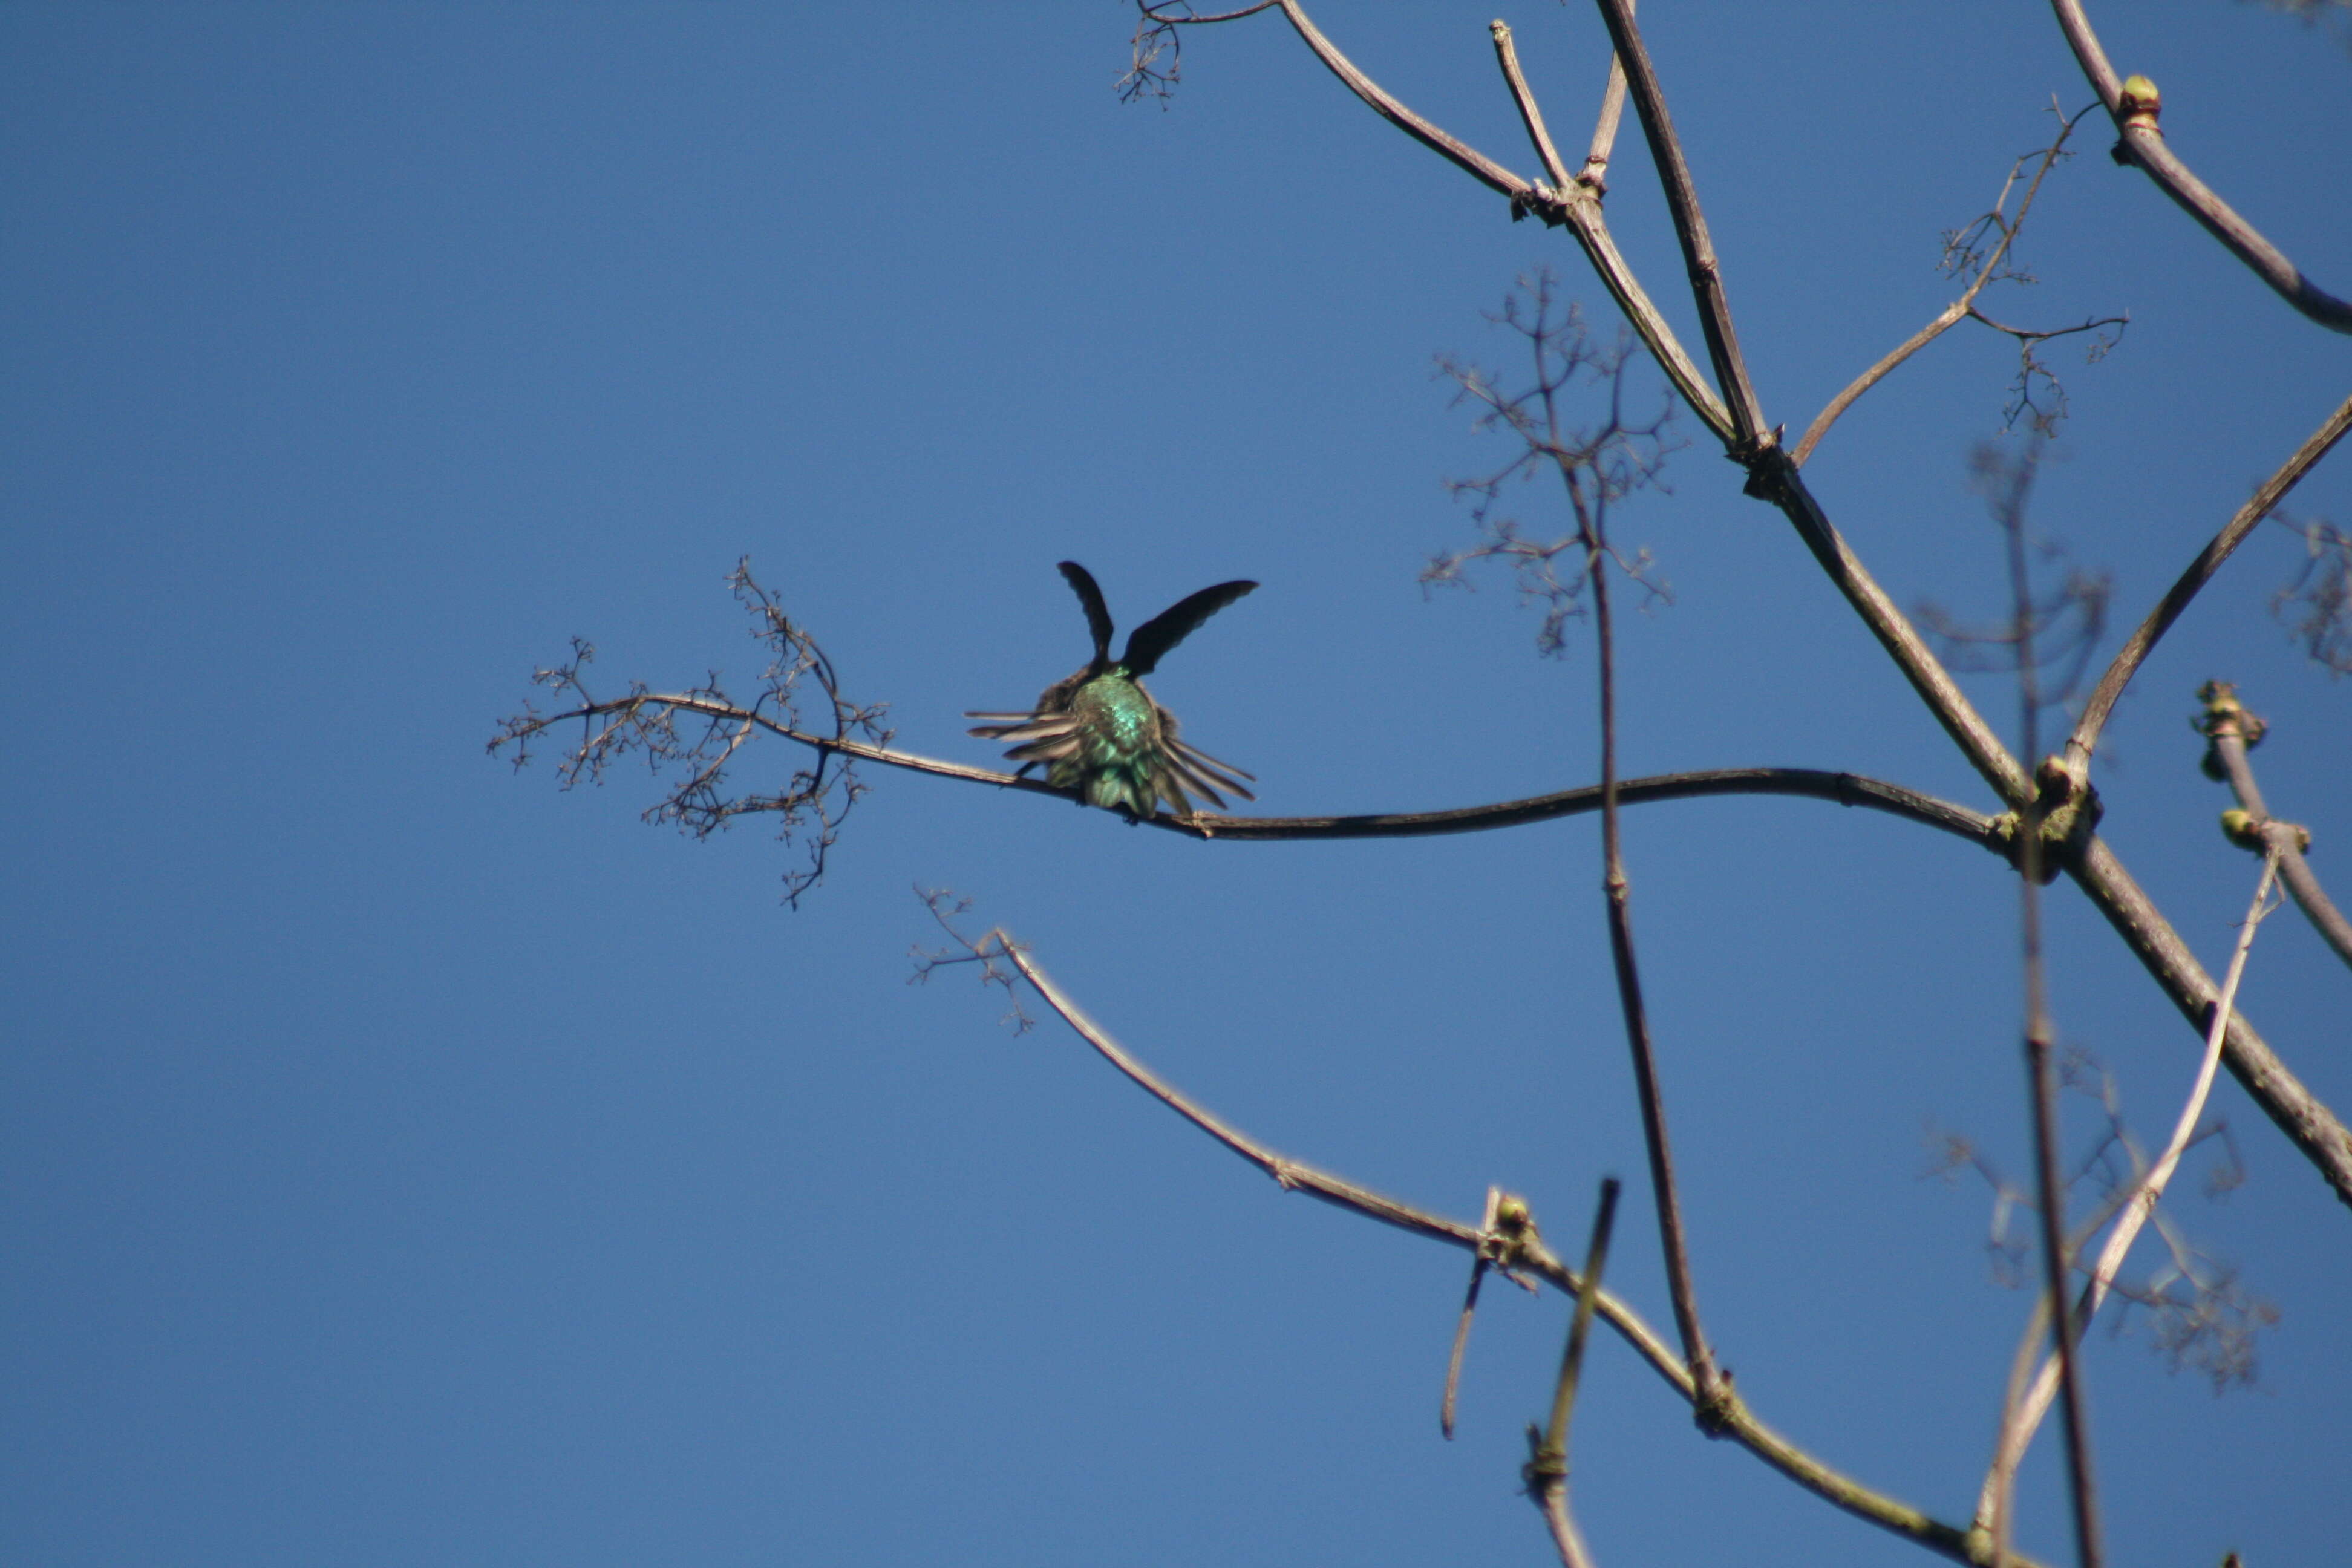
{"x": 1180, "y": 763}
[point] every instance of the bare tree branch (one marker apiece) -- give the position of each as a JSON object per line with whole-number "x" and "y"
{"x": 2011, "y": 484}
{"x": 2315, "y": 1129}
{"x": 1595, "y": 173}
{"x": 1959, "y": 250}
{"x": 1812, "y": 784}
{"x": 1690, "y": 228}
{"x": 2135, "y": 107}
{"x": 2232, "y": 730}
{"x": 1546, "y": 1473}
{"x": 1577, "y": 206}
{"x": 1528, "y": 1251}
{"x": 2135, "y": 649}
{"x": 1530, "y": 116}
{"x": 2138, "y": 1205}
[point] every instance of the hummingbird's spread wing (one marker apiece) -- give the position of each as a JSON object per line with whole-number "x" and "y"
{"x": 1150, "y": 642}
{"x": 1082, "y": 584}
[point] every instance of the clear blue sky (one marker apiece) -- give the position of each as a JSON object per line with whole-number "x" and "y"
{"x": 402, "y": 1162}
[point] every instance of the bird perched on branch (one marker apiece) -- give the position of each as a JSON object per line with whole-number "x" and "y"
{"x": 1101, "y": 733}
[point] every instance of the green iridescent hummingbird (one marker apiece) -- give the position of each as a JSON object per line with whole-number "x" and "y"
{"x": 1101, "y": 733}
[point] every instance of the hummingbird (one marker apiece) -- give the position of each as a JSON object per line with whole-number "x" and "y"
{"x": 1100, "y": 733}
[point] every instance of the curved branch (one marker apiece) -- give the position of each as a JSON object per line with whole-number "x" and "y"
{"x": 2133, "y": 1214}
{"x": 2143, "y": 144}
{"x": 2135, "y": 651}
{"x": 2306, "y": 1120}
{"x": 1738, "y": 1422}
{"x": 1845, "y": 789}
{"x": 1952, "y": 313}
{"x": 1817, "y": 783}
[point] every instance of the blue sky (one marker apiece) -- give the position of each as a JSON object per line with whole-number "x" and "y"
{"x": 402, "y": 1162}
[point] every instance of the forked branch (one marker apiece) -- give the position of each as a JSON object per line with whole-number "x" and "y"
{"x": 1962, "y": 248}
{"x": 2199, "y": 572}
{"x": 1748, "y": 433}
{"x": 1528, "y": 1252}
{"x": 2232, "y": 731}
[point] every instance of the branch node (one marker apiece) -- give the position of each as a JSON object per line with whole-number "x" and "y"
{"x": 2068, "y": 809}
{"x": 2225, "y": 715}
{"x": 1545, "y": 1467}
{"x": 1716, "y": 1410}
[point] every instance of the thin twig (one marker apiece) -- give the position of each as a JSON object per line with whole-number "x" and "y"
{"x": 2042, "y": 1081}
{"x": 2143, "y": 144}
{"x": 1690, "y": 225}
{"x": 1738, "y": 1422}
{"x": 1462, "y": 1327}
{"x": 1578, "y": 208}
{"x": 1571, "y": 1361}
{"x": 1617, "y": 889}
{"x": 1565, "y": 1539}
{"x": 1812, "y": 784}
{"x": 1951, "y": 314}
{"x": 2135, "y": 651}
{"x": 1604, "y": 128}
{"x": 2231, "y": 729}
{"x": 2315, "y": 1130}
{"x": 2022, "y": 1417}
{"x": 1547, "y": 1469}
{"x": 1530, "y": 116}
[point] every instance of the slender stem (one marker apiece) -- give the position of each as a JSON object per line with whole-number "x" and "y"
{"x": 2135, "y": 651}
{"x": 1461, "y": 1345}
{"x": 2023, "y": 1415}
{"x": 2309, "y": 1124}
{"x": 1460, "y": 153}
{"x": 1571, "y": 1361}
{"x": 1738, "y": 1422}
{"x": 2041, "y": 1081}
{"x": 1565, "y": 1539}
{"x": 1952, "y": 313}
{"x": 2283, "y": 840}
{"x": 2042, "y": 1076}
{"x": 1530, "y": 115}
{"x": 2143, "y": 144}
{"x": 1578, "y": 208}
{"x": 1945, "y": 319}
{"x": 1546, "y": 1471}
{"x": 1604, "y": 129}
{"x": 1690, "y": 225}
{"x": 1812, "y": 784}
{"x": 1672, "y": 1238}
